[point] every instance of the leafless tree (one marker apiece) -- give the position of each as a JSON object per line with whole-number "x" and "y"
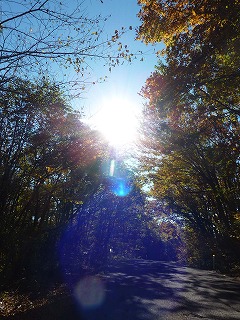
{"x": 39, "y": 37}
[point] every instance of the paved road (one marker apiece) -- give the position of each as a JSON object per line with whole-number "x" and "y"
{"x": 148, "y": 290}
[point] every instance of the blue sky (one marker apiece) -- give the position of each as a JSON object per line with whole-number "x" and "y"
{"x": 125, "y": 80}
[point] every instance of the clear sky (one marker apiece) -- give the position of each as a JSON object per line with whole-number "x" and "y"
{"x": 125, "y": 80}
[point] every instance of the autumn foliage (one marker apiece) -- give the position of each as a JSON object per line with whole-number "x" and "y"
{"x": 191, "y": 124}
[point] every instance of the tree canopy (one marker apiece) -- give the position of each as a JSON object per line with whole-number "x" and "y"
{"x": 57, "y": 199}
{"x": 48, "y": 167}
{"x": 191, "y": 119}
{"x": 201, "y": 49}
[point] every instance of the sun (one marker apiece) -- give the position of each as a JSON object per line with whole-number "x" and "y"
{"x": 118, "y": 120}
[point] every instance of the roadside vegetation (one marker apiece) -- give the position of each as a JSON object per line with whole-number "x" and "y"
{"x": 60, "y": 215}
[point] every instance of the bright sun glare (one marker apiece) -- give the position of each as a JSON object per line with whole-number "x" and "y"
{"x": 117, "y": 120}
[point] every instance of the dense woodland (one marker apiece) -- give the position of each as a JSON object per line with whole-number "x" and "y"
{"x": 191, "y": 121}
{"x": 60, "y": 216}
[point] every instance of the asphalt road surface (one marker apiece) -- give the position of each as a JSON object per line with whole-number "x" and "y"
{"x": 149, "y": 290}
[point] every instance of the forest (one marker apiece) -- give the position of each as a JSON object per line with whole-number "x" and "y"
{"x": 61, "y": 213}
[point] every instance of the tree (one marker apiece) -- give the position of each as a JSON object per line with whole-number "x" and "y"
{"x": 49, "y": 165}
{"x": 107, "y": 226}
{"x": 191, "y": 124}
{"x": 163, "y": 235}
{"x": 194, "y": 161}
{"x": 46, "y": 35}
{"x": 202, "y": 49}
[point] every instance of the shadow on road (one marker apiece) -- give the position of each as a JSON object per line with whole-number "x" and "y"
{"x": 156, "y": 290}
{"x": 139, "y": 289}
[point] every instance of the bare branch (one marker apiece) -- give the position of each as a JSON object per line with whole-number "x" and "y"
{"x": 25, "y": 13}
{"x": 44, "y": 33}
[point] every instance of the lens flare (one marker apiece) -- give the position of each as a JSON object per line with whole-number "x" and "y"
{"x": 120, "y": 187}
{"x": 90, "y": 292}
{"x": 112, "y": 168}
{"x": 119, "y": 181}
